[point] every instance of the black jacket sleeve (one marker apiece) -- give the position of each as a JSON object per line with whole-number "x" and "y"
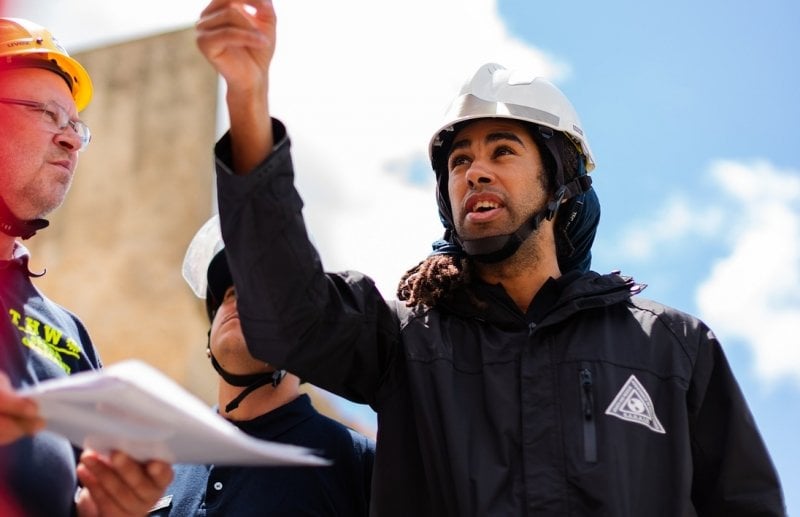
{"x": 333, "y": 330}
{"x": 733, "y": 472}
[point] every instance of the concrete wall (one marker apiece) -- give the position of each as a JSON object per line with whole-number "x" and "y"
{"x": 113, "y": 251}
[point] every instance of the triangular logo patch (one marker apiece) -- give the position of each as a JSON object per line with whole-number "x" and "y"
{"x": 633, "y": 404}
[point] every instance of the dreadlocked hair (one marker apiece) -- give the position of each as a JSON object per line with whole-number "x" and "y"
{"x": 433, "y": 279}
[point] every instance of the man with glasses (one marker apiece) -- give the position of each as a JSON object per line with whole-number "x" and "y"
{"x": 42, "y": 89}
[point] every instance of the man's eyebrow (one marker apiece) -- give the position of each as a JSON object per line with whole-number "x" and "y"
{"x": 491, "y": 137}
{"x": 503, "y": 135}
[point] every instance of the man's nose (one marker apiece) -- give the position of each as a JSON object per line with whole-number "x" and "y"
{"x": 68, "y": 139}
{"x": 479, "y": 174}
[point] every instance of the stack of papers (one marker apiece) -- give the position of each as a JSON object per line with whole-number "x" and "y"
{"x": 134, "y": 408}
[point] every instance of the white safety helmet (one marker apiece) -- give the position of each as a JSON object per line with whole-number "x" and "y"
{"x": 495, "y": 91}
{"x": 205, "y": 245}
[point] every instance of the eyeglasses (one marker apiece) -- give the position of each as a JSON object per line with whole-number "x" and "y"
{"x": 56, "y": 116}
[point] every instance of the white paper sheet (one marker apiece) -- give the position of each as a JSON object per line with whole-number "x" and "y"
{"x": 132, "y": 407}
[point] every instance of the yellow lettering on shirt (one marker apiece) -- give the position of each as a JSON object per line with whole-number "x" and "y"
{"x": 46, "y": 345}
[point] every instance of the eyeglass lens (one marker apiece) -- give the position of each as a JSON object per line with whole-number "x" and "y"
{"x": 56, "y": 115}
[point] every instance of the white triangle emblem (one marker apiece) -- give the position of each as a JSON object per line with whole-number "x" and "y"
{"x": 633, "y": 404}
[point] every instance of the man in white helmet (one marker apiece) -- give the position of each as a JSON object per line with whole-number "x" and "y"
{"x": 507, "y": 379}
{"x": 267, "y": 404}
{"x": 42, "y": 89}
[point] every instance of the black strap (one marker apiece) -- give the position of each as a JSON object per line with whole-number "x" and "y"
{"x": 250, "y": 382}
{"x": 233, "y": 404}
{"x": 11, "y": 225}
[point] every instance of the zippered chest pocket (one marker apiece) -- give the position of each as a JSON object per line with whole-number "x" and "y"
{"x": 588, "y": 412}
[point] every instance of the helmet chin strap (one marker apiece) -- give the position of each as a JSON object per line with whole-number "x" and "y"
{"x": 497, "y": 248}
{"x": 250, "y": 382}
{"x": 16, "y": 227}
{"x": 490, "y": 250}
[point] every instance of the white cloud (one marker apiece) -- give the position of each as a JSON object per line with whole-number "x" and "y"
{"x": 753, "y": 294}
{"x": 677, "y": 220}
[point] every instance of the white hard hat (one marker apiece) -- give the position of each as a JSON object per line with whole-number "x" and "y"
{"x": 205, "y": 245}
{"x": 495, "y": 91}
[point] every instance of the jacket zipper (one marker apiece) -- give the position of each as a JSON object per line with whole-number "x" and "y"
{"x": 587, "y": 414}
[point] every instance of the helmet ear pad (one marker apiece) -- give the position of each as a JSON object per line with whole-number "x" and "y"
{"x": 575, "y": 230}
{"x": 439, "y": 163}
{"x": 578, "y": 216}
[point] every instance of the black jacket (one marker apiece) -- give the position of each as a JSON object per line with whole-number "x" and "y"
{"x": 595, "y": 402}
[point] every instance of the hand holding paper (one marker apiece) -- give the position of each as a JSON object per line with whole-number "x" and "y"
{"x": 134, "y": 408}
{"x": 19, "y": 416}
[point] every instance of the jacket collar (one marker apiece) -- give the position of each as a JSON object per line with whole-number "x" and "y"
{"x": 557, "y": 300}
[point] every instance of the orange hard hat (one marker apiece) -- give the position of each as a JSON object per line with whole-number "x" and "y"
{"x": 24, "y": 44}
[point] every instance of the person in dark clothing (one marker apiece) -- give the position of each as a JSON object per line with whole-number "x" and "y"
{"x": 508, "y": 378}
{"x": 42, "y": 89}
{"x": 267, "y": 404}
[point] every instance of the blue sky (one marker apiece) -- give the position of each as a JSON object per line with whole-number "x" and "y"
{"x": 690, "y": 109}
